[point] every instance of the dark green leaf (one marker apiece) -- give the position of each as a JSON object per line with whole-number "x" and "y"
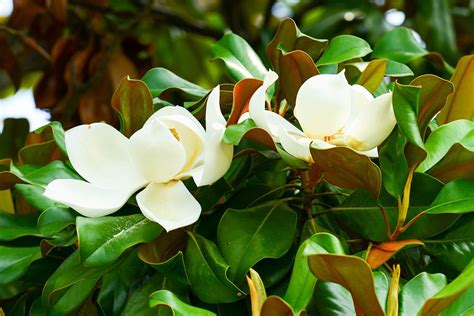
{"x": 55, "y": 219}
{"x": 178, "y": 307}
{"x": 33, "y": 194}
{"x": 398, "y": 45}
{"x": 342, "y": 48}
{"x": 15, "y": 261}
{"x": 12, "y": 227}
{"x": 455, "y": 197}
{"x": 13, "y": 137}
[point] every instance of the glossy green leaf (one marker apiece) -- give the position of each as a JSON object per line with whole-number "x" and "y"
{"x": 14, "y": 262}
{"x": 234, "y": 134}
{"x": 138, "y": 301}
{"x": 395, "y": 69}
{"x": 55, "y": 219}
{"x": 346, "y": 168}
{"x": 373, "y": 74}
{"x": 443, "y": 138}
{"x": 302, "y": 281}
{"x": 450, "y": 293}
{"x": 250, "y": 235}
{"x": 351, "y": 272}
{"x": 54, "y": 131}
{"x": 160, "y": 80}
{"x": 455, "y": 197}
{"x": 342, "y": 48}
{"x": 239, "y": 57}
{"x": 460, "y": 105}
{"x": 102, "y": 240}
{"x": 289, "y": 38}
{"x": 418, "y": 290}
{"x": 44, "y": 175}
{"x": 463, "y": 305}
{"x": 13, "y": 137}
{"x": 398, "y": 45}
{"x": 332, "y": 299}
{"x": 178, "y": 307}
{"x": 456, "y": 164}
{"x": 134, "y": 104}
{"x": 207, "y": 269}
{"x": 33, "y": 194}
{"x": 12, "y": 227}
{"x": 393, "y": 164}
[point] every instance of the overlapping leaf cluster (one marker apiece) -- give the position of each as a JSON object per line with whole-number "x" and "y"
{"x": 277, "y": 236}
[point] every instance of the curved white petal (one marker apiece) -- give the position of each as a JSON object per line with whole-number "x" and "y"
{"x": 323, "y": 105}
{"x": 99, "y": 153}
{"x": 87, "y": 199}
{"x": 157, "y": 152}
{"x": 257, "y": 110}
{"x": 373, "y": 125}
{"x": 169, "y": 204}
{"x": 217, "y": 155}
{"x": 372, "y": 153}
{"x": 319, "y": 144}
{"x": 178, "y": 111}
{"x": 360, "y": 101}
{"x": 296, "y": 145}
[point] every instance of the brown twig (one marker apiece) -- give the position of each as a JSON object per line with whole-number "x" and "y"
{"x": 387, "y": 223}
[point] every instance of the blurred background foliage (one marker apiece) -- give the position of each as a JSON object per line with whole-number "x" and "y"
{"x": 75, "y": 52}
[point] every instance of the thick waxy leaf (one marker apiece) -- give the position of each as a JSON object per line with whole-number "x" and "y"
{"x": 395, "y": 69}
{"x": 332, "y": 299}
{"x": 342, "y": 48}
{"x": 444, "y": 137}
{"x": 54, "y": 131}
{"x": 207, "y": 269}
{"x": 433, "y": 94}
{"x": 399, "y": 45}
{"x": 13, "y": 137}
{"x": 134, "y": 103}
{"x": 243, "y": 91}
{"x": 302, "y": 282}
{"x": 240, "y": 59}
{"x": 455, "y": 197}
{"x": 419, "y": 289}
{"x": 102, "y": 240}
{"x": 295, "y": 68}
{"x": 393, "y": 164}
{"x": 12, "y": 227}
{"x": 234, "y": 134}
{"x": 34, "y": 196}
{"x": 14, "y": 262}
{"x": 275, "y": 306}
{"x": 457, "y": 163}
{"x": 460, "y": 105}
{"x": 160, "y": 80}
{"x": 289, "y": 38}
{"x": 247, "y": 236}
{"x": 381, "y": 253}
{"x": 373, "y": 75}
{"x": 55, "y": 219}
{"x": 463, "y": 305}
{"x": 450, "y": 293}
{"x": 70, "y": 285}
{"x": 406, "y": 107}
{"x": 177, "y": 306}
{"x": 351, "y": 272}
{"x": 346, "y": 168}
{"x": 44, "y": 175}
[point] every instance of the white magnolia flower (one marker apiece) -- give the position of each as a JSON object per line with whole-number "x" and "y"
{"x": 171, "y": 146}
{"x": 331, "y": 113}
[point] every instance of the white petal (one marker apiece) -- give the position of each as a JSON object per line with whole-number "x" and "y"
{"x": 87, "y": 199}
{"x": 372, "y": 153}
{"x": 319, "y": 144}
{"x": 360, "y": 101}
{"x": 257, "y": 104}
{"x": 372, "y": 126}
{"x": 156, "y": 152}
{"x": 217, "y": 155}
{"x": 169, "y": 204}
{"x": 323, "y": 105}
{"x": 296, "y": 145}
{"x": 178, "y": 113}
{"x": 99, "y": 153}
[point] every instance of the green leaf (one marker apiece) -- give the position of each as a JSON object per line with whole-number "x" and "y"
{"x": 418, "y": 290}
{"x": 456, "y": 164}
{"x": 443, "y": 138}
{"x": 14, "y": 262}
{"x": 247, "y": 236}
{"x": 450, "y": 293}
{"x": 290, "y": 38}
{"x": 455, "y": 197}
{"x": 463, "y": 305}
{"x": 134, "y": 103}
{"x": 12, "y": 227}
{"x": 393, "y": 164}
{"x": 102, "y": 240}
{"x": 234, "y": 134}
{"x": 33, "y": 194}
{"x": 178, "y": 307}
{"x": 346, "y": 168}
{"x": 207, "y": 272}
{"x": 55, "y": 219}
{"x": 160, "y": 80}
{"x": 138, "y": 301}
{"x": 373, "y": 74}
{"x": 460, "y": 104}
{"x": 239, "y": 57}
{"x": 13, "y": 137}
{"x": 44, "y": 175}
{"x": 351, "y": 272}
{"x": 395, "y": 69}
{"x": 302, "y": 281}
{"x": 332, "y": 299}
{"x": 398, "y": 45}
{"x": 342, "y": 48}
{"x": 54, "y": 131}
{"x": 406, "y": 107}
{"x": 454, "y": 248}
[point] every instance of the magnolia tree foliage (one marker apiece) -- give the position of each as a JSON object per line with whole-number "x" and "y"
{"x": 331, "y": 183}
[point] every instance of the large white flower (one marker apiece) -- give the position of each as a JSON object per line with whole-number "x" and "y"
{"x": 171, "y": 146}
{"x": 331, "y": 113}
